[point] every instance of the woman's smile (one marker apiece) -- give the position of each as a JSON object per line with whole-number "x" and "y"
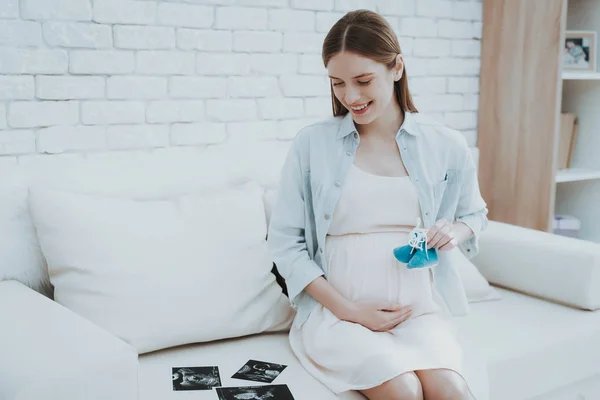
{"x": 361, "y": 109}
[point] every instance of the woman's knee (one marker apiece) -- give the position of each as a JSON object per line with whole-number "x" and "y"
{"x": 406, "y": 386}
{"x": 443, "y": 384}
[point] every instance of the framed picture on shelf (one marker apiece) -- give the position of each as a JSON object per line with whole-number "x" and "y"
{"x": 579, "y": 52}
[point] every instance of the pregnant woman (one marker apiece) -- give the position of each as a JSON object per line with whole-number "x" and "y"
{"x": 352, "y": 190}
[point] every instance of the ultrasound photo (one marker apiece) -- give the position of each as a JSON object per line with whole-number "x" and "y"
{"x": 196, "y": 378}
{"x": 259, "y": 371}
{"x": 267, "y": 392}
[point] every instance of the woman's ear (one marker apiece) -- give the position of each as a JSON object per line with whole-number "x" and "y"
{"x": 398, "y": 67}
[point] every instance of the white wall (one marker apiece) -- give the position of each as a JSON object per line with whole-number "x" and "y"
{"x": 89, "y": 76}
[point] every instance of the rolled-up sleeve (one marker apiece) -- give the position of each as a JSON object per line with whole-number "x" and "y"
{"x": 286, "y": 239}
{"x": 471, "y": 209}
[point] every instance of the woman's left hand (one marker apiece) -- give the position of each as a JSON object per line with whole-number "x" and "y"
{"x": 445, "y": 235}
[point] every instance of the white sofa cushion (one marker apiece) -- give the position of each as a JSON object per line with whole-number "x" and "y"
{"x": 229, "y": 356}
{"x": 525, "y": 359}
{"x": 20, "y": 255}
{"x": 161, "y": 273}
{"x": 553, "y": 267}
{"x": 533, "y": 346}
{"x": 476, "y": 286}
{"x": 49, "y": 352}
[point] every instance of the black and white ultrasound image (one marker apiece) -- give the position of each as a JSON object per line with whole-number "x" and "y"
{"x": 266, "y": 392}
{"x": 196, "y": 378}
{"x": 259, "y": 371}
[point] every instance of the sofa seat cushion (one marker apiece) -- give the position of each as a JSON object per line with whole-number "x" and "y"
{"x": 532, "y": 346}
{"x": 229, "y": 355}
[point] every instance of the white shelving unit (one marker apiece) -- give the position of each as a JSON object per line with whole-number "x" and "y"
{"x": 584, "y": 76}
{"x": 578, "y": 193}
{"x": 576, "y": 174}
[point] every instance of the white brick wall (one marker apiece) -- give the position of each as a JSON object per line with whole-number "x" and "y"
{"x": 3, "y": 123}
{"x": 45, "y": 10}
{"x": 30, "y": 114}
{"x": 14, "y": 87}
{"x": 124, "y": 12}
{"x": 185, "y": 15}
{"x": 144, "y": 37}
{"x": 20, "y": 33}
{"x": 57, "y": 139}
{"x": 86, "y": 76}
{"x": 101, "y": 62}
{"x": 257, "y": 42}
{"x": 137, "y": 136}
{"x": 77, "y": 34}
{"x": 136, "y": 87}
{"x": 9, "y": 9}
{"x": 166, "y": 111}
{"x": 112, "y": 112}
{"x": 198, "y": 87}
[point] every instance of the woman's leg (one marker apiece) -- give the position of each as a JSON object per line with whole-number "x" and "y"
{"x": 443, "y": 384}
{"x": 402, "y": 387}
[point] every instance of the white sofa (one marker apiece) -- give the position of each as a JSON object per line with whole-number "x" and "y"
{"x": 544, "y": 345}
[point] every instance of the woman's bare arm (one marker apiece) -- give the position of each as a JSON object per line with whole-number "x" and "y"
{"x": 375, "y": 315}
{"x": 322, "y": 291}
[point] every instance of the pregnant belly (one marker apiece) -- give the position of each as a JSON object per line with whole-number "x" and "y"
{"x": 363, "y": 267}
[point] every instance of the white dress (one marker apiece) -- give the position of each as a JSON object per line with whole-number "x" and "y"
{"x": 374, "y": 215}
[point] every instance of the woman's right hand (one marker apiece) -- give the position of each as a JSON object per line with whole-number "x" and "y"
{"x": 379, "y": 316}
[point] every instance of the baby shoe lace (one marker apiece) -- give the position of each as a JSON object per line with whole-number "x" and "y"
{"x": 418, "y": 238}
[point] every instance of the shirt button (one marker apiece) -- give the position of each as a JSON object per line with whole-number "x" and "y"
{"x": 416, "y": 179}
{"x": 355, "y": 135}
{"x": 326, "y": 216}
{"x": 426, "y": 213}
{"x": 321, "y": 250}
{"x": 338, "y": 184}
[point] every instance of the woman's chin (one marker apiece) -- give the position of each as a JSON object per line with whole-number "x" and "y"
{"x": 364, "y": 119}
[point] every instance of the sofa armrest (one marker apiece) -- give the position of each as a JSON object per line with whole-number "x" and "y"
{"x": 541, "y": 264}
{"x": 49, "y": 352}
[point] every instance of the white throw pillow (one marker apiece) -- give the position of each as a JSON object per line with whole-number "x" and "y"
{"x": 162, "y": 273}
{"x": 20, "y": 255}
{"x": 477, "y": 288}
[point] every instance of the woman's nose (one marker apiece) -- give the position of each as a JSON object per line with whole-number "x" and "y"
{"x": 352, "y": 96}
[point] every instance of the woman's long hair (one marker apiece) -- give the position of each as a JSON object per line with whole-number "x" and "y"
{"x": 366, "y": 34}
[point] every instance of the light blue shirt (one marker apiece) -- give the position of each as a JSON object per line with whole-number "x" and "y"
{"x": 440, "y": 165}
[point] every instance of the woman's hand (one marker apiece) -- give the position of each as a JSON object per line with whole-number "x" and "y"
{"x": 378, "y": 316}
{"x": 446, "y": 235}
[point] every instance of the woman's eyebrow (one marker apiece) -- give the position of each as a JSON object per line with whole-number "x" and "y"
{"x": 357, "y": 76}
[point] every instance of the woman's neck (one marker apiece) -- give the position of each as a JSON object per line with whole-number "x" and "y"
{"x": 386, "y": 126}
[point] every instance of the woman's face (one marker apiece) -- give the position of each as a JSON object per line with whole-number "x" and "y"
{"x": 359, "y": 81}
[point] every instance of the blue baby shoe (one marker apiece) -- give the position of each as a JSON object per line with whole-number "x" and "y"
{"x": 415, "y": 254}
{"x": 404, "y": 253}
{"x": 423, "y": 258}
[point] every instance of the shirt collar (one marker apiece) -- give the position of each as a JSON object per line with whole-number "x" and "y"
{"x": 347, "y": 125}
